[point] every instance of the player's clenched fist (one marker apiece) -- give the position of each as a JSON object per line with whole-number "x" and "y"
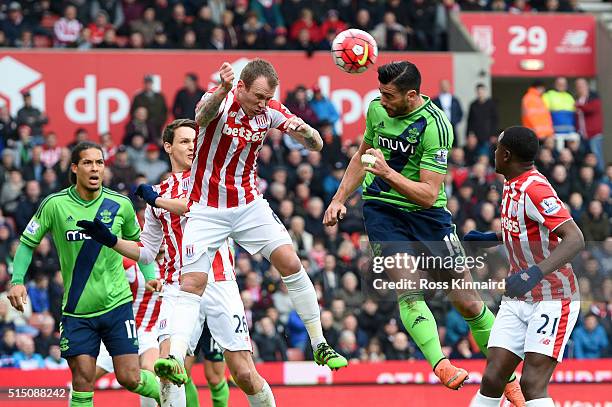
{"x": 18, "y": 296}
{"x": 335, "y": 211}
{"x": 227, "y": 76}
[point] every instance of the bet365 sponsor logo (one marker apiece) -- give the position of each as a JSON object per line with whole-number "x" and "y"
{"x": 242, "y": 132}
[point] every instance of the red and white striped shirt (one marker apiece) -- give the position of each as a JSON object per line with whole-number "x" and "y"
{"x": 146, "y": 303}
{"x": 224, "y": 171}
{"x": 531, "y": 211}
{"x": 162, "y": 227}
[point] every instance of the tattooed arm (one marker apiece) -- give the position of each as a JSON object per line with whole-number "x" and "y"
{"x": 208, "y": 109}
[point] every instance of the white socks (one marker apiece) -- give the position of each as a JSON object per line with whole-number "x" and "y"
{"x": 484, "y": 401}
{"x": 184, "y": 318}
{"x": 547, "y": 402}
{"x": 171, "y": 395}
{"x": 264, "y": 398}
{"x": 304, "y": 298}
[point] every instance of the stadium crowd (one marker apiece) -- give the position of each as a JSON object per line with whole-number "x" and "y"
{"x": 241, "y": 24}
{"x": 298, "y": 185}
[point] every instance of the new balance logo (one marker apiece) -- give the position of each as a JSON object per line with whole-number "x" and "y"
{"x": 418, "y": 320}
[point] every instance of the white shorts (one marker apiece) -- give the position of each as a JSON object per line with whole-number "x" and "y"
{"x": 253, "y": 226}
{"x": 146, "y": 340}
{"x": 221, "y": 307}
{"x": 540, "y": 327}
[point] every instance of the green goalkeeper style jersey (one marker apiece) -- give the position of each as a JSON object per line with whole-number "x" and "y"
{"x": 418, "y": 140}
{"x": 93, "y": 274}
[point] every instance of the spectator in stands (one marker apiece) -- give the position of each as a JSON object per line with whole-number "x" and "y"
{"x": 450, "y": 105}
{"x": 152, "y": 166}
{"x": 231, "y": 32}
{"x": 589, "y": 118}
{"x": 462, "y": 350}
{"x": 332, "y": 181}
{"x": 112, "y": 8}
{"x": 322, "y": 107}
{"x": 46, "y": 338}
{"x": 421, "y": 17}
{"x": 561, "y": 105}
{"x": 269, "y": 14}
{"x": 456, "y": 327}
{"x": 373, "y": 352}
{"x": 14, "y": 24}
{"x": 590, "y": 339}
{"x": 55, "y": 360}
{"x": 350, "y": 324}
{"x": 271, "y": 346}
{"x": 603, "y": 195}
{"x": 8, "y": 127}
{"x": 314, "y": 216}
{"x": 347, "y": 346}
{"x": 31, "y": 116}
{"x": 140, "y": 125}
{"x": 384, "y": 31}
{"x": 332, "y": 23}
{"x": 28, "y": 204}
{"x": 123, "y": 172}
{"x": 44, "y": 260}
{"x": 62, "y": 168}
{"x": 154, "y": 102}
{"x": 66, "y": 30}
{"x": 306, "y": 21}
{"x": 400, "y": 348}
{"x": 586, "y": 185}
{"x": 11, "y": 191}
{"x": 110, "y": 40}
{"x": 187, "y": 98}
{"x": 330, "y": 333}
{"x": 49, "y": 183}
{"x": 535, "y": 113}
{"x": 37, "y": 291}
{"x": 302, "y": 240}
{"x": 363, "y": 20}
{"x": 483, "y": 119}
{"x": 519, "y": 7}
{"x": 25, "y": 358}
{"x": 594, "y": 223}
{"x": 33, "y": 170}
{"x": 552, "y": 6}
{"x": 349, "y": 293}
{"x": 51, "y": 152}
{"x": 147, "y": 25}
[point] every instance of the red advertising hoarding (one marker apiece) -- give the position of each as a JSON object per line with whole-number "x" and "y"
{"x": 535, "y": 44}
{"x": 94, "y": 89}
{"x": 575, "y": 383}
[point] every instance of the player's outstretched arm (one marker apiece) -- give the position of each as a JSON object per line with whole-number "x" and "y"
{"x": 208, "y": 108}
{"x": 353, "y": 177}
{"x": 150, "y": 196}
{"x": 99, "y": 232}
{"x": 304, "y": 134}
{"x": 18, "y": 294}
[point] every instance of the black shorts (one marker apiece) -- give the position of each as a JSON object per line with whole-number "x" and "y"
{"x": 116, "y": 328}
{"x": 207, "y": 344}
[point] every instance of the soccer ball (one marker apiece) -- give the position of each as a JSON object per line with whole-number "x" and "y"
{"x": 354, "y": 51}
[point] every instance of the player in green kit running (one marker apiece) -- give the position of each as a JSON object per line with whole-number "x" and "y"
{"x": 405, "y": 202}
{"x": 97, "y": 303}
